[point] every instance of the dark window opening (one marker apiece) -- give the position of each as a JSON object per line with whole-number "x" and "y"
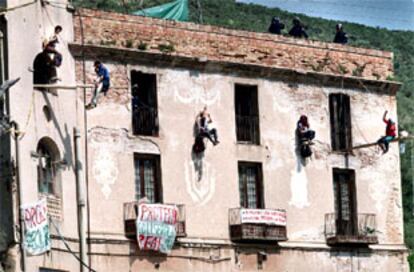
{"x": 144, "y": 104}
{"x": 340, "y": 115}
{"x": 346, "y": 217}
{"x": 47, "y": 113}
{"x": 148, "y": 178}
{"x": 247, "y": 114}
{"x": 44, "y": 70}
{"x": 48, "y": 167}
{"x": 251, "y": 185}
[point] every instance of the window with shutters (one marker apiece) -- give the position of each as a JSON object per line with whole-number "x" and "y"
{"x": 346, "y": 217}
{"x": 251, "y": 185}
{"x": 148, "y": 178}
{"x": 340, "y": 116}
{"x": 247, "y": 114}
{"x": 144, "y": 104}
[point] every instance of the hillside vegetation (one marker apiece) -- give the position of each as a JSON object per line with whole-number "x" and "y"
{"x": 252, "y": 17}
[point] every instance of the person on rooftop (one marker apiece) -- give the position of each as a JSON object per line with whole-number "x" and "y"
{"x": 340, "y": 36}
{"x": 102, "y": 83}
{"x": 276, "y": 26}
{"x": 298, "y": 30}
{"x": 390, "y": 133}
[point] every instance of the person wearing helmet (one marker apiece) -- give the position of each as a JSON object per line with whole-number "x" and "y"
{"x": 390, "y": 133}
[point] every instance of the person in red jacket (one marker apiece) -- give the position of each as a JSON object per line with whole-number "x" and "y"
{"x": 390, "y": 133}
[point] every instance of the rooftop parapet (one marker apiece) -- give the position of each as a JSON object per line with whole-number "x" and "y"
{"x": 216, "y": 44}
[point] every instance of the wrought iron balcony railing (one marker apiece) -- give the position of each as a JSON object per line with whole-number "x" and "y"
{"x": 247, "y": 128}
{"x": 360, "y": 230}
{"x": 257, "y": 225}
{"x": 145, "y": 121}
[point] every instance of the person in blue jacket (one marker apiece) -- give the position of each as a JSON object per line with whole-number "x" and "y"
{"x": 102, "y": 83}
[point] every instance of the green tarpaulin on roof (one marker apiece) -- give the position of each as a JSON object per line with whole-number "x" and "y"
{"x": 177, "y": 10}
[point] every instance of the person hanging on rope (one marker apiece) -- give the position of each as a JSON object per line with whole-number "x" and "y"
{"x": 305, "y": 135}
{"x": 102, "y": 83}
{"x": 390, "y": 133}
{"x": 205, "y": 129}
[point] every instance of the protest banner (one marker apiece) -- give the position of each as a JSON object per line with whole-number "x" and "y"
{"x": 37, "y": 236}
{"x": 156, "y": 227}
{"x": 263, "y": 216}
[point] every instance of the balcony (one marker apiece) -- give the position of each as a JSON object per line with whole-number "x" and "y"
{"x": 351, "y": 232}
{"x": 257, "y": 225}
{"x": 248, "y": 129}
{"x": 130, "y": 217}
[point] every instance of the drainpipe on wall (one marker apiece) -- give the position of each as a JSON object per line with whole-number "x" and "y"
{"x": 15, "y": 126}
{"x": 81, "y": 203}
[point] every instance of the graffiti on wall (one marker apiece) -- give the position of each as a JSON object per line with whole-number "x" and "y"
{"x": 200, "y": 179}
{"x": 156, "y": 227}
{"x": 37, "y": 237}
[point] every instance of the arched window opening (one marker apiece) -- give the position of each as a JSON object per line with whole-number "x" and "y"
{"x": 48, "y": 167}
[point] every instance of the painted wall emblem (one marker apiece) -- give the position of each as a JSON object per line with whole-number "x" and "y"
{"x": 105, "y": 170}
{"x": 200, "y": 178}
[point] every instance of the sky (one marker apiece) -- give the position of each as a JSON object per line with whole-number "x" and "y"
{"x": 391, "y": 14}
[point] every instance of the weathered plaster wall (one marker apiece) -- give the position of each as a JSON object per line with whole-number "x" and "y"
{"x": 27, "y": 27}
{"x": 233, "y": 46}
{"x": 306, "y": 192}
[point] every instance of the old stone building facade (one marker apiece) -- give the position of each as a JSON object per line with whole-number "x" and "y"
{"x": 343, "y": 209}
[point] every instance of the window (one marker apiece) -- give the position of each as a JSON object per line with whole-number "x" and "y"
{"x": 144, "y": 104}
{"x": 48, "y": 167}
{"x": 345, "y": 201}
{"x": 340, "y": 113}
{"x": 247, "y": 114}
{"x": 250, "y": 185}
{"x": 148, "y": 178}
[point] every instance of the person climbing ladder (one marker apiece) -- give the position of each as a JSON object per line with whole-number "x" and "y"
{"x": 390, "y": 133}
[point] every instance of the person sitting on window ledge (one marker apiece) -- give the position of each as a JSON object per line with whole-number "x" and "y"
{"x": 390, "y": 133}
{"x": 50, "y": 47}
{"x": 298, "y": 30}
{"x": 102, "y": 83}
